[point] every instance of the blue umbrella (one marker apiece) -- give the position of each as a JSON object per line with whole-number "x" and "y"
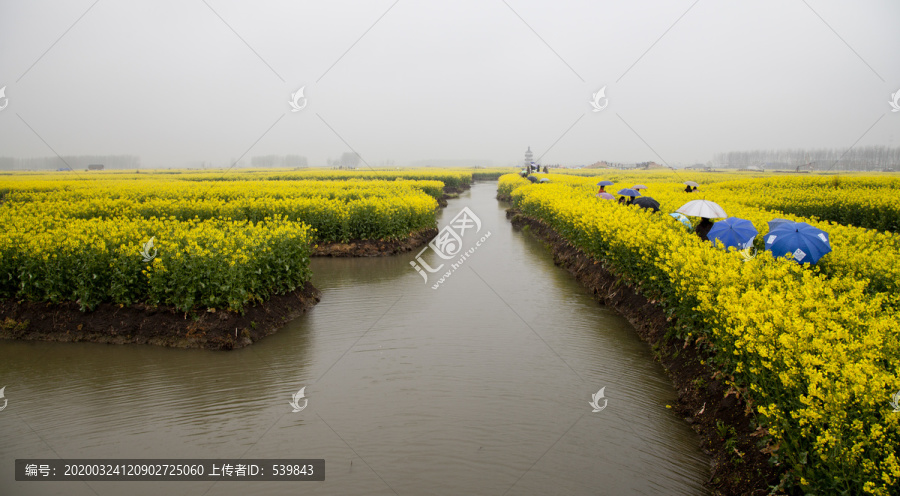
{"x": 776, "y": 223}
{"x": 629, "y": 192}
{"x": 683, "y": 219}
{"x": 733, "y": 232}
{"x": 605, "y": 183}
{"x": 806, "y": 243}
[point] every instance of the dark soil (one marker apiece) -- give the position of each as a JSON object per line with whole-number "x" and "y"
{"x": 738, "y": 464}
{"x": 450, "y": 190}
{"x": 142, "y": 324}
{"x": 375, "y": 248}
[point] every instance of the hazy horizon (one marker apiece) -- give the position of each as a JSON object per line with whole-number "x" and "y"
{"x": 181, "y": 84}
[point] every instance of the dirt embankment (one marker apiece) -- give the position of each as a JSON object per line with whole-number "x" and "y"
{"x": 142, "y": 324}
{"x": 375, "y": 248}
{"x": 719, "y": 416}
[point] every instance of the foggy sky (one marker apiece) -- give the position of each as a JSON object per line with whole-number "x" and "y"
{"x": 187, "y": 81}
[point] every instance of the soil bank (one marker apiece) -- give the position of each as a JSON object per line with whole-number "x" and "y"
{"x": 375, "y": 247}
{"x": 142, "y": 324}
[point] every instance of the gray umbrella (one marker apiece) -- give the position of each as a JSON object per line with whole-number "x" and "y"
{"x": 703, "y": 208}
{"x": 647, "y": 202}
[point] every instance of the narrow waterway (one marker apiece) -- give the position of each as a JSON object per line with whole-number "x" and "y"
{"x": 481, "y": 386}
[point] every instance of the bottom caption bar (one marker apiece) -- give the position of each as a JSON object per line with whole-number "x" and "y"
{"x": 170, "y": 470}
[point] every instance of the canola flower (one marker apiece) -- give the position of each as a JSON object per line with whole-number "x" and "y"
{"x": 814, "y": 352}
{"x": 337, "y": 210}
{"x": 220, "y": 242}
{"x": 451, "y": 178}
{"x": 216, "y": 263}
{"x": 863, "y": 201}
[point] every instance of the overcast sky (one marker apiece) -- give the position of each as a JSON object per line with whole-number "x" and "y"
{"x": 179, "y": 82}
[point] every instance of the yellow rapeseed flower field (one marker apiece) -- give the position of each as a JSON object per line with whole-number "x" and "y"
{"x": 218, "y": 240}
{"x": 815, "y": 351}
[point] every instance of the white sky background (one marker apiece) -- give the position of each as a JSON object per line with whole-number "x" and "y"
{"x": 169, "y": 81}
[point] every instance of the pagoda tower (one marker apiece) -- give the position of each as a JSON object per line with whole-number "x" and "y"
{"x": 528, "y": 158}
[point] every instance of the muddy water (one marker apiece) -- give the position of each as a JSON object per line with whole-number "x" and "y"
{"x": 481, "y": 386}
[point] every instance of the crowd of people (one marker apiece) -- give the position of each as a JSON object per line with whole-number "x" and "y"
{"x": 702, "y": 229}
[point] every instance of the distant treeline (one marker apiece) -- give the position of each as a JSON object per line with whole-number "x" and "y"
{"x": 74, "y": 162}
{"x": 292, "y": 161}
{"x": 863, "y": 158}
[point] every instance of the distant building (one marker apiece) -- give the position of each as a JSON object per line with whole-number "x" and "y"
{"x": 95, "y": 167}
{"x": 529, "y": 157}
{"x": 648, "y": 165}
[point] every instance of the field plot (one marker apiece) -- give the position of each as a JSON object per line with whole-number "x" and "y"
{"x": 813, "y": 352}
{"x": 196, "y": 240}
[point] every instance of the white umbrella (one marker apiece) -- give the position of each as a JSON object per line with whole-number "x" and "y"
{"x": 703, "y": 208}
{"x": 691, "y": 184}
{"x": 639, "y": 186}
